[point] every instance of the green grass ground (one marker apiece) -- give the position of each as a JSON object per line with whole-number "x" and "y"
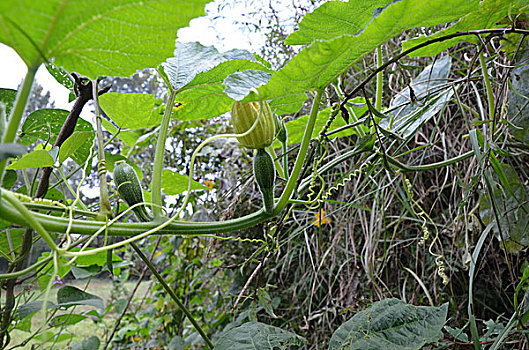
{"x": 103, "y": 288}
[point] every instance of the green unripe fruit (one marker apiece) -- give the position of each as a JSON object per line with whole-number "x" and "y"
{"x": 265, "y": 175}
{"x": 129, "y": 189}
{"x": 243, "y": 116}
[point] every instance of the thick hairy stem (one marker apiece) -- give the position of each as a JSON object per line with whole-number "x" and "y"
{"x": 380, "y": 80}
{"x": 156, "y": 184}
{"x": 307, "y": 136}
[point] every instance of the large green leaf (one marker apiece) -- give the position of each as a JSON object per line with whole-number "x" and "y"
{"x": 66, "y": 320}
{"x": 128, "y": 136}
{"x": 175, "y": 183}
{"x": 204, "y": 97}
{"x": 407, "y": 115}
{"x": 129, "y": 111}
{"x": 98, "y": 37}
{"x": 45, "y": 124}
{"x": 391, "y": 324}
{"x": 36, "y": 159}
{"x": 10, "y": 238}
{"x": 335, "y": 18}
{"x": 27, "y": 309}
{"x": 73, "y": 143}
{"x": 91, "y": 343}
{"x": 239, "y": 84}
{"x": 69, "y": 296}
{"x": 512, "y": 220}
{"x": 323, "y": 61}
{"x": 190, "y": 59}
{"x": 489, "y": 13}
{"x": 258, "y": 336}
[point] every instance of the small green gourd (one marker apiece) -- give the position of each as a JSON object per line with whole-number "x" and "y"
{"x": 129, "y": 189}
{"x": 265, "y": 174}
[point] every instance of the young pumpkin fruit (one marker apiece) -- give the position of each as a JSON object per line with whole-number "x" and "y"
{"x": 129, "y": 189}
{"x": 265, "y": 175}
{"x": 243, "y": 116}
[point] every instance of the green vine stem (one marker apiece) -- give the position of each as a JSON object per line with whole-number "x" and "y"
{"x": 492, "y": 32}
{"x": 55, "y": 224}
{"x": 488, "y": 87}
{"x": 380, "y": 80}
{"x": 208, "y": 140}
{"x": 285, "y": 160}
{"x": 27, "y": 270}
{"x": 29, "y": 219}
{"x": 156, "y": 184}
{"x": 85, "y": 227}
{"x": 307, "y": 136}
{"x": 426, "y": 167}
{"x": 58, "y": 224}
{"x": 18, "y": 110}
{"x": 173, "y": 295}
{"x": 105, "y": 209}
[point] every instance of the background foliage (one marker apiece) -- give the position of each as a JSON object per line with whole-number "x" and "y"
{"x": 413, "y": 190}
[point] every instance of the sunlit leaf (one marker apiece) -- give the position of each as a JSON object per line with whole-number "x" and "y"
{"x": 204, "y": 97}
{"x": 175, "y": 183}
{"x": 239, "y": 84}
{"x": 36, "y": 159}
{"x": 487, "y": 15}
{"x": 190, "y": 59}
{"x": 73, "y": 143}
{"x": 323, "y": 61}
{"x": 335, "y": 18}
{"x": 129, "y": 111}
{"x": 100, "y": 37}
{"x": 45, "y": 125}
